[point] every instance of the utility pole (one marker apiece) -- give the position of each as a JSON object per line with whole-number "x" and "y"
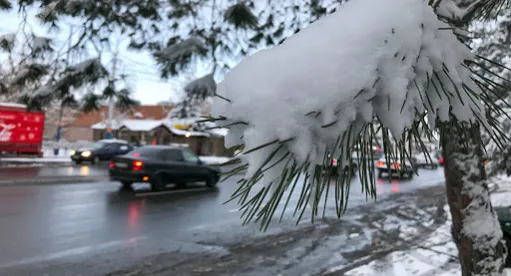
{"x": 61, "y": 107}
{"x": 111, "y": 99}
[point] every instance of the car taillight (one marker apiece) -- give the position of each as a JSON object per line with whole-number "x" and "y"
{"x": 440, "y": 160}
{"x": 334, "y": 162}
{"x": 396, "y": 165}
{"x": 111, "y": 165}
{"x": 380, "y": 163}
{"x": 137, "y": 165}
{"x": 377, "y": 149}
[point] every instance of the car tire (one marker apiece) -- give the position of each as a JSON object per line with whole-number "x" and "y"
{"x": 95, "y": 160}
{"x": 410, "y": 175}
{"x": 211, "y": 181}
{"x": 157, "y": 183}
{"x": 354, "y": 171}
{"x": 126, "y": 184}
{"x": 181, "y": 185}
{"x": 508, "y": 245}
{"x": 78, "y": 162}
{"x": 380, "y": 173}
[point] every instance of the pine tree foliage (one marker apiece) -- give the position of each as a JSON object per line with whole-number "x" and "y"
{"x": 189, "y": 109}
{"x": 5, "y": 5}
{"x": 492, "y": 39}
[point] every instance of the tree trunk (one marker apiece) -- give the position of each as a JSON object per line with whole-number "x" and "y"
{"x": 475, "y": 227}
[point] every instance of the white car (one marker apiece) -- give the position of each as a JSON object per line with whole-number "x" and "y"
{"x": 423, "y": 161}
{"x": 408, "y": 168}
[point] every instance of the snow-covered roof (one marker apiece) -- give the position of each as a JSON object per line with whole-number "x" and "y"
{"x": 113, "y": 141}
{"x": 141, "y": 125}
{"x": 219, "y": 131}
{"x": 148, "y": 125}
{"x": 102, "y": 125}
{"x": 13, "y": 105}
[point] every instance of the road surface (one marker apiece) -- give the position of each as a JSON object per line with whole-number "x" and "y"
{"x": 96, "y": 228}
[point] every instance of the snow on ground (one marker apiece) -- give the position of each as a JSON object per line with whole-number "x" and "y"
{"x": 214, "y": 160}
{"x": 437, "y": 255}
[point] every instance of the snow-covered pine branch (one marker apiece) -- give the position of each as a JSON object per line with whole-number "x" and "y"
{"x": 7, "y": 42}
{"x": 176, "y": 57}
{"x": 292, "y": 105}
{"x": 202, "y": 87}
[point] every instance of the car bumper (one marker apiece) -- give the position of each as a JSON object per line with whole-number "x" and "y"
{"x": 80, "y": 158}
{"x": 394, "y": 171}
{"x": 130, "y": 176}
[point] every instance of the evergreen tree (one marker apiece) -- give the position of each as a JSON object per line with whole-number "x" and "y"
{"x": 218, "y": 32}
{"x": 492, "y": 39}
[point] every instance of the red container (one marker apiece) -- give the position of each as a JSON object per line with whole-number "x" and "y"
{"x": 21, "y": 132}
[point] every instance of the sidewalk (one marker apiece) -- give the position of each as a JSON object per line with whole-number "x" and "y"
{"x": 66, "y": 161}
{"x": 437, "y": 255}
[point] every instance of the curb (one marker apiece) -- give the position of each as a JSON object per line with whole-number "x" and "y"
{"x": 53, "y": 181}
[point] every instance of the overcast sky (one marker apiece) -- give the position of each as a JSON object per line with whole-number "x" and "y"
{"x": 143, "y": 72}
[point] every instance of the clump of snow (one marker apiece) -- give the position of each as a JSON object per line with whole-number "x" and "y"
{"x": 41, "y": 44}
{"x": 7, "y": 41}
{"x": 179, "y": 50}
{"x": 202, "y": 87}
{"x": 49, "y": 10}
{"x": 326, "y": 81}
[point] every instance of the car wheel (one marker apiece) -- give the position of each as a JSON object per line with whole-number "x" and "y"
{"x": 95, "y": 160}
{"x": 410, "y": 175}
{"x": 126, "y": 184}
{"x": 78, "y": 162}
{"x": 508, "y": 245}
{"x": 211, "y": 181}
{"x": 380, "y": 173}
{"x": 157, "y": 183}
{"x": 181, "y": 185}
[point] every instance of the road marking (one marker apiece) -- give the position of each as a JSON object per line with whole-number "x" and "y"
{"x": 73, "y": 252}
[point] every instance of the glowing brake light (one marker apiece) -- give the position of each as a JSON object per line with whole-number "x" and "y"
{"x": 111, "y": 165}
{"x": 380, "y": 163}
{"x": 440, "y": 160}
{"x": 334, "y": 162}
{"x": 377, "y": 149}
{"x": 137, "y": 165}
{"x": 396, "y": 165}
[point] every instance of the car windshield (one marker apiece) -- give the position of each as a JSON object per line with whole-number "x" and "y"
{"x": 97, "y": 145}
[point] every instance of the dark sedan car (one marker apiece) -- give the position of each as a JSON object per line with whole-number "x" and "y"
{"x": 161, "y": 165}
{"x": 102, "y": 150}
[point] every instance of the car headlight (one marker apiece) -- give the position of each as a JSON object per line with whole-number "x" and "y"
{"x": 86, "y": 154}
{"x": 73, "y": 152}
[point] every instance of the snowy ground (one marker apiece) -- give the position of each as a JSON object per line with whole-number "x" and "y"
{"x": 434, "y": 256}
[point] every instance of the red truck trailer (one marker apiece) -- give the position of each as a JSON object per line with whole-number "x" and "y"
{"x": 21, "y": 132}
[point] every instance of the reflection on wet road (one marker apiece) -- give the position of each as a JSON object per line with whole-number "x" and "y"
{"x": 109, "y": 227}
{"x": 66, "y": 170}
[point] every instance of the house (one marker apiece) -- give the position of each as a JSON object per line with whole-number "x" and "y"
{"x": 80, "y": 128}
{"x": 165, "y": 132}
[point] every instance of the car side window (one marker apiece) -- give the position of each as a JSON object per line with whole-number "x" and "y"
{"x": 123, "y": 147}
{"x": 110, "y": 147}
{"x": 190, "y": 157}
{"x": 173, "y": 155}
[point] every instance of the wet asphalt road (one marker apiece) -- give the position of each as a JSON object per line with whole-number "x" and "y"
{"x": 96, "y": 228}
{"x": 14, "y": 173}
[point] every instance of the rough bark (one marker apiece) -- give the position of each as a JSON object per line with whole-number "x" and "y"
{"x": 475, "y": 227}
